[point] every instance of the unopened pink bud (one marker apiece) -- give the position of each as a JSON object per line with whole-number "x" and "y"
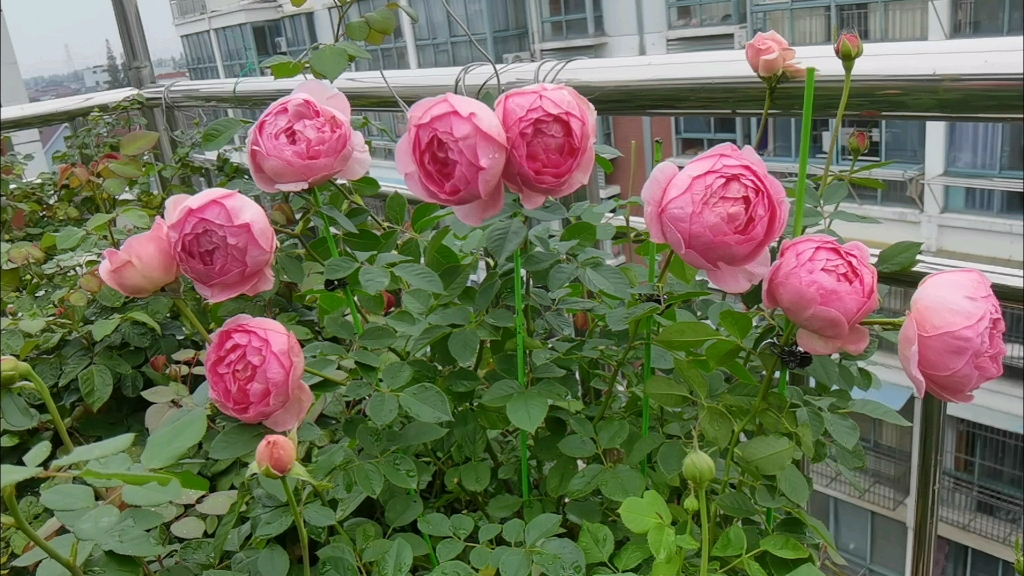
{"x": 849, "y": 47}
{"x": 275, "y": 455}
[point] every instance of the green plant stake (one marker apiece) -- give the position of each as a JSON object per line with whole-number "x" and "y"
{"x": 652, "y": 263}
{"x": 521, "y": 364}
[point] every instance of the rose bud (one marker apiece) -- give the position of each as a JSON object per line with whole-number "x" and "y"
{"x": 275, "y": 456}
{"x": 848, "y": 47}
{"x": 698, "y": 468}
{"x": 158, "y": 364}
{"x": 858, "y": 143}
{"x": 389, "y": 301}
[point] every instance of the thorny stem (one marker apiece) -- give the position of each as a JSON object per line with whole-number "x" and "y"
{"x": 837, "y": 130}
{"x": 300, "y": 526}
{"x": 885, "y": 322}
{"x": 19, "y": 521}
{"x": 764, "y": 115}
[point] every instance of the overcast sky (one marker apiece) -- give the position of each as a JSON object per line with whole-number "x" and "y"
{"x": 40, "y": 28}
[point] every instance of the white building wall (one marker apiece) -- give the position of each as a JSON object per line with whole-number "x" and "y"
{"x": 12, "y": 92}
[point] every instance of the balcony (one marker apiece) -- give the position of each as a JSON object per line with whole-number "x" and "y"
{"x": 883, "y": 481}
{"x": 980, "y": 487}
{"x": 185, "y": 9}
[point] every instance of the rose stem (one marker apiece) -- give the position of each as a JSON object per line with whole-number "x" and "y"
{"x": 191, "y": 317}
{"x": 300, "y": 526}
{"x": 19, "y": 521}
{"x": 51, "y": 407}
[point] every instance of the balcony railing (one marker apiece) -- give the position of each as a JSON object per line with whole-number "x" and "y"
{"x": 884, "y": 480}
{"x": 183, "y": 9}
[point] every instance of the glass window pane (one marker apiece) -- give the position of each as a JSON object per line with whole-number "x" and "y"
{"x": 950, "y": 558}
{"x": 906, "y": 20}
{"x": 904, "y": 140}
{"x": 851, "y": 524}
{"x": 888, "y": 544}
{"x": 984, "y": 564}
{"x": 974, "y": 146}
{"x": 724, "y": 125}
{"x": 811, "y": 26}
{"x": 819, "y": 506}
{"x": 777, "y": 20}
{"x": 696, "y": 125}
{"x": 1012, "y": 157}
{"x": 865, "y": 19}
{"x": 978, "y": 17}
{"x": 1016, "y": 17}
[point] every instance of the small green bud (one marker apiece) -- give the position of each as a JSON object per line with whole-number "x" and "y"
{"x": 690, "y": 504}
{"x": 9, "y": 368}
{"x": 698, "y": 468}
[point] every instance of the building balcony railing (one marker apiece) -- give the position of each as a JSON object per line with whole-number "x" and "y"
{"x": 883, "y": 481}
{"x": 184, "y": 9}
{"x": 987, "y": 512}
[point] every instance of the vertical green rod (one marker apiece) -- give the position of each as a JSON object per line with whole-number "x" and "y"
{"x": 805, "y": 152}
{"x": 652, "y": 264}
{"x": 356, "y": 321}
{"x": 521, "y": 364}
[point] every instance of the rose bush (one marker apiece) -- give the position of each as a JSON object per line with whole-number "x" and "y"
{"x": 454, "y": 397}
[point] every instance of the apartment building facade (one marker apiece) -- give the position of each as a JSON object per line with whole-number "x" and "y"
{"x": 956, "y": 187}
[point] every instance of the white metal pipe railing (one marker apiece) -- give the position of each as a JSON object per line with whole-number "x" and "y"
{"x": 975, "y": 79}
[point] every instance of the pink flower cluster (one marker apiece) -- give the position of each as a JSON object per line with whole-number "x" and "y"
{"x": 539, "y": 141}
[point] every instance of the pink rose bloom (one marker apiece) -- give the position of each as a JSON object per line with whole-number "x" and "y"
{"x": 275, "y": 455}
{"x": 826, "y": 289}
{"x": 952, "y": 340}
{"x": 143, "y": 265}
{"x": 254, "y": 368}
{"x": 453, "y": 154}
{"x": 769, "y": 54}
{"x": 719, "y": 214}
{"x": 551, "y": 133}
{"x": 223, "y": 241}
{"x": 306, "y": 139}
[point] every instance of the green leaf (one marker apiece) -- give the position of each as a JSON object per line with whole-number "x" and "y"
{"x": 621, "y": 482}
{"x": 666, "y": 392}
{"x": 877, "y": 410}
{"x": 401, "y": 471}
{"x": 683, "y": 336}
{"x": 96, "y": 383}
{"x": 784, "y": 546}
{"x": 236, "y": 440}
{"x": 736, "y": 323}
{"x": 807, "y": 570}
{"x": 527, "y": 410}
{"x": 69, "y": 238}
{"x": 396, "y": 208}
{"x": 605, "y": 165}
{"x": 357, "y": 29}
{"x": 341, "y": 267}
{"x": 751, "y": 567}
{"x": 475, "y": 476}
{"x": 11, "y": 475}
{"x": 127, "y": 167}
{"x": 133, "y": 478}
{"x": 397, "y": 560}
{"x": 577, "y": 446}
{"x": 96, "y": 523}
{"x": 662, "y": 541}
{"x": 596, "y": 541}
{"x": 736, "y": 504}
{"x": 607, "y": 279}
{"x": 633, "y": 553}
{"x": 641, "y": 514}
{"x": 543, "y": 526}
{"x": 515, "y": 562}
{"x": 373, "y": 279}
{"x": 152, "y": 494}
{"x": 37, "y": 454}
{"x": 140, "y": 316}
{"x": 504, "y": 238}
{"x": 606, "y": 151}
{"x": 409, "y": 11}
{"x": 329, "y": 61}
{"x": 732, "y": 542}
{"x": 382, "y": 408}
{"x": 174, "y": 439}
{"x": 842, "y": 428}
{"x": 426, "y": 403}
{"x": 354, "y": 50}
{"x": 105, "y": 327}
{"x": 273, "y": 561}
{"x": 419, "y": 276}
{"x": 382, "y": 20}
{"x": 220, "y": 132}
{"x": 464, "y": 344}
{"x": 67, "y": 497}
{"x": 137, "y": 142}
{"x": 97, "y": 450}
{"x": 793, "y": 484}
{"x": 449, "y": 548}
{"x": 769, "y": 455}
{"x": 898, "y": 257}
{"x": 835, "y": 192}
{"x": 97, "y": 221}
{"x": 403, "y": 510}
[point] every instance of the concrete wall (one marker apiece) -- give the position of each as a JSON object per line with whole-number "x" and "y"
{"x": 12, "y": 92}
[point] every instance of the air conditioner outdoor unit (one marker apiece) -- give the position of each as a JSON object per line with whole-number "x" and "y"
{"x": 280, "y": 44}
{"x": 515, "y": 57}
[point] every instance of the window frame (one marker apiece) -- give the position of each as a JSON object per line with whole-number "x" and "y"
{"x": 998, "y": 172}
{"x": 866, "y": 564}
{"x": 958, "y": 24}
{"x": 759, "y": 23}
{"x": 737, "y": 137}
{"x": 248, "y": 43}
{"x": 207, "y": 66}
{"x": 591, "y": 15}
{"x": 738, "y": 12}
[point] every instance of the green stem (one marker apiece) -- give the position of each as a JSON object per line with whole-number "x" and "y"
{"x": 19, "y": 521}
{"x": 664, "y": 267}
{"x": 764, "y": 115}
{"x": 353, "y": 309}
{"x": 805, "y": 151}
{"x": 51, "y": 407}
{"x": 837, "y": 130}
{"x": 615, "y": 374}
{"x": 648, "y": 353}
{"x": 191, "y": 317}
{"x": 705, "y": 532}
{"x": 325, "y": 232}
{"x": 324, "y": 375}
{"x": 521, "y": 364}
{"x": 894, "y": 322}
{"x": 300, "y": 525}
{"x": 430, "y": 549}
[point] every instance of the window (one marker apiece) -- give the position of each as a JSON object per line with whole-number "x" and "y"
{"x": 982, "y": 480}
{"x": 238, "y": 51}
{"x": 880, "y": 20}
{"x": 498, "y": 26}
{"x": 872, "y": 543}
{"x": 695, "y": 134}
{"x": 782, "y": 137}
{"x": 694, "y": 13}
{"x": 604, "y": 131}
{"x": 987, "y": 17}
{"x": 984, "y": 201}
{"x": 199, "y": 56}
{"x": 299, "y": 33}
{"x": 977, "y": 148}
{"x": 391, "y": 54}
{"x": 955, "y": 559}
{"x": 382, "y": 131}
{"x": 569, "y": 19}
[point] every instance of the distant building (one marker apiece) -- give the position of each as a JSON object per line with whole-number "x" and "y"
{"x": 96, "y": 78}
{"x": 52, "y": 138}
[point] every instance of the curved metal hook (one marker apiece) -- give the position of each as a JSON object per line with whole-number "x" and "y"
{"x": 502, "y": 69}
{"x": 540, "y": 64}
{"x": 460, "y": 78}
{"x": 401, "y": 104}
{"x": 559, "y": 68}
{"x": 473, "y": 40}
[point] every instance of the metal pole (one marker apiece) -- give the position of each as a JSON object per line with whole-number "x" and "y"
{"x": 140, "y": 66}
{"x": 926, "y": 504}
